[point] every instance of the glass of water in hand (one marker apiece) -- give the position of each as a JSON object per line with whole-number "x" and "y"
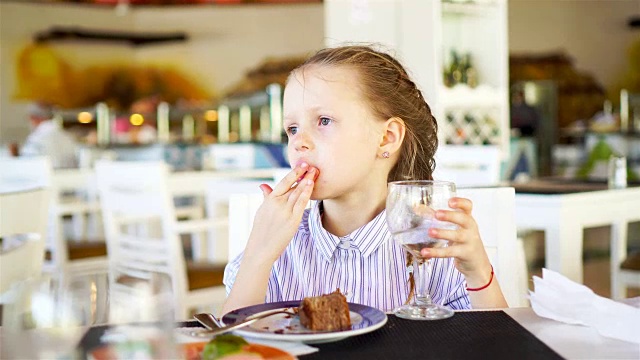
{"x": 411, "y": 208}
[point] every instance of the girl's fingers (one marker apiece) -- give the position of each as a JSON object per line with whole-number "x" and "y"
{"x": 451, "y": 235}
{"x": 287, "y": 182}
{"x": 457, "y": 217}
{"x": 462, "y": 204}
{"x": 445, "y": 252}
{"x": 303, "y": 199}
{"x": 302, "y": 184}
{"x": 266, "y": 189}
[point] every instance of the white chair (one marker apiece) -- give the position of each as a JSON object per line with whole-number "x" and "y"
{"x": 23, "y": 225}
{"x": 143, "y": 235}
{"x": 625, "y": 268}
{"x": 625, "y": 276}
{"x": 494, "y": 210}
{"x": 62, "y": 257}
{"x": 26, "y": 196}
{"x": 208, "y": 193}
{"x": 468, "y": 165}
{"x": 23, "y": 212}
{"x": 26, "y": 171}
{"x": 84, "y": 251}
{"x": 218, "y": 197}
{"x": 78, "y": 198}
{"x": 21, "y": 258}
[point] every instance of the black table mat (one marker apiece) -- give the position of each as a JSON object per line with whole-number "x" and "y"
{"x": 466, "y": 335}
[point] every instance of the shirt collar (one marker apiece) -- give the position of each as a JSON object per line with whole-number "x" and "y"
{"x": 367, "y": 238}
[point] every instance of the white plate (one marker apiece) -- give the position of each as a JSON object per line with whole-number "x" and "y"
{"x": 284, "y": 327}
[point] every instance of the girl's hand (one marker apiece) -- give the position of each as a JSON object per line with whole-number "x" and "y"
{"x": 279, "y": 216}
{"x": 465, "y": 244}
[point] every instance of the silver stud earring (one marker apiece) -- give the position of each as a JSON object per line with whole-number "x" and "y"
{"x": 385, "y": 154}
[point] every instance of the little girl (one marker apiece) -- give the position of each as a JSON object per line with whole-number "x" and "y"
{"x": 355, "y": 121}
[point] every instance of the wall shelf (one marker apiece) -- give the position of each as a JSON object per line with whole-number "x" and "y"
{"x": 59, "y": 33}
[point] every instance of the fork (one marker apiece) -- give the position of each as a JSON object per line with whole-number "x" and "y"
{"x": 208, "y": 320}
{"x": 247, "y": 321}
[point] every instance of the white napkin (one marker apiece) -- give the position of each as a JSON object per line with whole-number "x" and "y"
{"x": 558, "y": 298}
{"x": 292, "y": 347}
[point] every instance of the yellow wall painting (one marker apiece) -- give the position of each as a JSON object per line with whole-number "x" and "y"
{"x": 42, "y": 75}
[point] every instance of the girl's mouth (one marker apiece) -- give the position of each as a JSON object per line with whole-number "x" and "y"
{"x": 315, "y": 176}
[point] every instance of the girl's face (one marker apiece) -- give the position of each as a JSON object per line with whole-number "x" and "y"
{"x": 330, "y": 127}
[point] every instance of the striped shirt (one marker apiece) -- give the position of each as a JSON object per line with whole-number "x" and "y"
{"x": 366, "y": 265}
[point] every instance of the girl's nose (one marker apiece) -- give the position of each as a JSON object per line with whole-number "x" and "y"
{"x": 303, "y": 143}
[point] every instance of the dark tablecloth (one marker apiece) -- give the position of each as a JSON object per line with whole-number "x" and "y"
{"x": 467, "y": 335}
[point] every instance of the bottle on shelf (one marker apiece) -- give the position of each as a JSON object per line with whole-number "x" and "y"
{"x": 470, "y": 72}
{"x": 460, "y": 70}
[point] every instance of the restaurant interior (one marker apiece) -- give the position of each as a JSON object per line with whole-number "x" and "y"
{"x": 173, "y": 111}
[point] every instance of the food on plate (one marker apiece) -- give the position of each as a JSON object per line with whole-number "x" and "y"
{"x": 326, "y": 312}
{"x": 232, "y": 347}
{"x": 223, "y": 345}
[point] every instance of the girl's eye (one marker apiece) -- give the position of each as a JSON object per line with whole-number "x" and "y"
{"x": 292, "y": 130}
{"x": 324, "y": 121}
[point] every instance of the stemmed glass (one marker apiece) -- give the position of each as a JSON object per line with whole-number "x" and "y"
{"x": 411, "y": 208}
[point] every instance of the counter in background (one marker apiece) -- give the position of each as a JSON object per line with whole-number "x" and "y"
{"x": 191, "y": 156}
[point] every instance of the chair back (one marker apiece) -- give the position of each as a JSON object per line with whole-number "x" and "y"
{"x": 468, "y": 165}
{"x": 242, "y": 210}
{"x": 25, "y": 184}
{"x": 494, "y": 212}
{"x": 33, "y": 172}
{"x": 21, "y": 258}
{"x": 83, "y": 201}
{"x": 139, "y": 220}
{"x": 24, "y": 212}
{"x": 218, "y": 202}
{"x": 38, "y": 172}
{"x": 75, "y": 195}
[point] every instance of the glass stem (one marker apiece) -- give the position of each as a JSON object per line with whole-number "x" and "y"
{"x": 421, "y": 270}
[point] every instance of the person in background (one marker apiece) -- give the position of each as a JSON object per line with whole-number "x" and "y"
{"x": 524, "y": 117}
{"x": 48, "y": 138}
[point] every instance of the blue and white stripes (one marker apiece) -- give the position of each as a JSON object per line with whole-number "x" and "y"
{"x": 367, "y": 266}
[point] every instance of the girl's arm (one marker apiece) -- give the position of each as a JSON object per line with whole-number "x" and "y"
{"x": 468, "y": 250}
{"x": 274, "y": 226}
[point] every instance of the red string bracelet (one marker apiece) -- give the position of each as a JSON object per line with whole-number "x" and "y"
{"x": 483, "y": 287}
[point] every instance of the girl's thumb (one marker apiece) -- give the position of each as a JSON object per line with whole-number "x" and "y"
{"x": 266, "y": 189}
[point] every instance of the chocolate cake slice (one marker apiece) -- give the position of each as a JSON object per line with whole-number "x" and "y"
{"x": 326, "y": 312}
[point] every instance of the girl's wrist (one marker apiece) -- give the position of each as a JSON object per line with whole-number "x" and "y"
{"x": 256, "y": 263}
{"x": 481, "y": 277}
{"x": 260, "y": 254}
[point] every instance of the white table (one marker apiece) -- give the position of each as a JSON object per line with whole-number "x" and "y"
{"x": 573, "y": 341}
{"x": 23, "y": 210}
{"x": 563, "y": 217}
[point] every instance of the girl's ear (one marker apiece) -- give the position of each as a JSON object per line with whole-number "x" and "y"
{"x": 394, "y": 130}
